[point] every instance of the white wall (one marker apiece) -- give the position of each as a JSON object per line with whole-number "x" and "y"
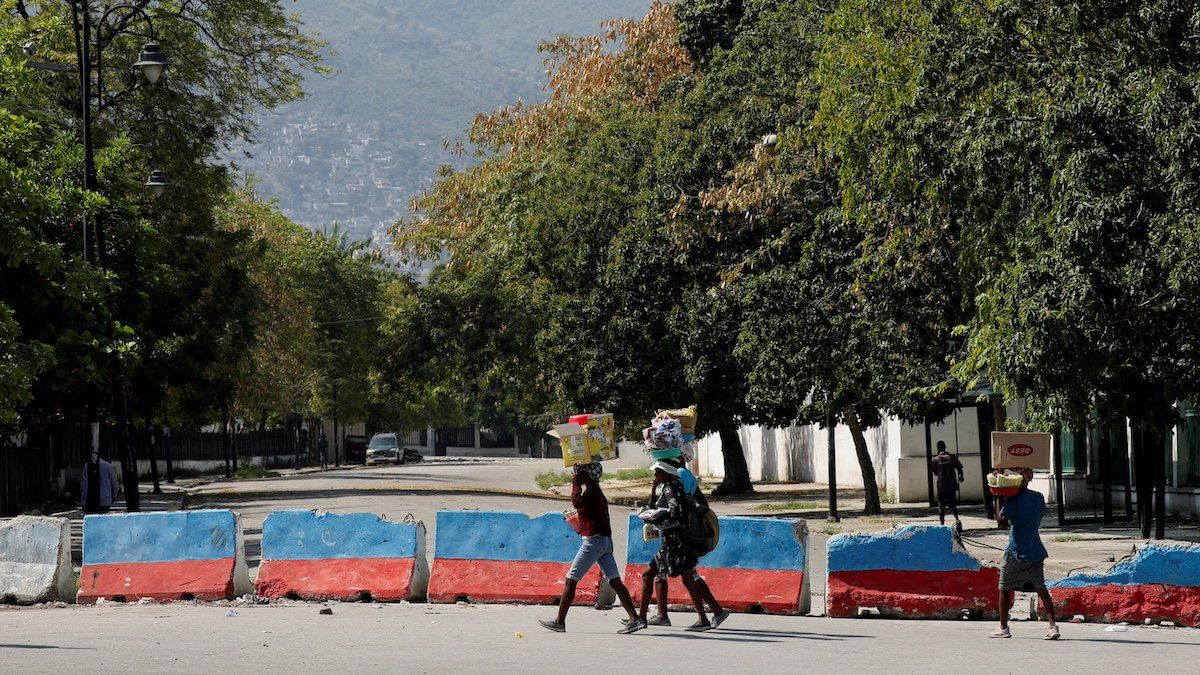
{"x": 898, "y": 453}
{"x": 797, "y": 453}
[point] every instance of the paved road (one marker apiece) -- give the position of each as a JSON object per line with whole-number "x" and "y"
{"x": 478, "y": 639}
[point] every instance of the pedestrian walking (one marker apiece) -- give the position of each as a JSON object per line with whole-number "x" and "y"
{"x": 591, "y": 506}
{"x": 97, "y": 485}
{"x": 659, "y": 579}
{"x": 323, "y": 449}
{"x": 1024, "y": 558}
{"x": 949, "y": 473}
{"x": 677, "y": 555}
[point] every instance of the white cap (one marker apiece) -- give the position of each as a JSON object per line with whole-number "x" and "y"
{"x": 665, "y": 467}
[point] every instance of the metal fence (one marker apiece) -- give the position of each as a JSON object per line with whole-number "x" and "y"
{"x": 72, "y": 446}
{"x": 25, "y": 478}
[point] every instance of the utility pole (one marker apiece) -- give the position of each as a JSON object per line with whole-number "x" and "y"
{"x": 831, "y": 427}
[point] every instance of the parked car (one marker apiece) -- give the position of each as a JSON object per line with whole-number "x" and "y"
{"x": 354, "y": 449}
{"x": 384, "y": 448}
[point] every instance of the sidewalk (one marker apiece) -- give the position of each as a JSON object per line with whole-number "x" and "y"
{"x": 1072, "y": 548}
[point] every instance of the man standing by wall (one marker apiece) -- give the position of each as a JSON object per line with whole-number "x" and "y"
{"x": 97, "y": 485}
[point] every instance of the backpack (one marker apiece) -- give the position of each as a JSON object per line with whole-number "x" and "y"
{"x": 703, "y": 530}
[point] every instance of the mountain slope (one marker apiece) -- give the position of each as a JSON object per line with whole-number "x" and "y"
{"x": 409, "y": 74}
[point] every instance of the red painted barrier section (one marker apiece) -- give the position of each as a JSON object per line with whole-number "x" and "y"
{"x": 912, "y": 593}
{"x": 508, "y": 581}
{"x": 186, "y": 579}
{"x": 738, "y": 590}
{"x": 1133, "y": 603}
{"x": 386, "y": 579}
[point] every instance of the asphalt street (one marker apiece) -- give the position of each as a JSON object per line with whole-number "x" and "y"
{"x": 485, "y": 639}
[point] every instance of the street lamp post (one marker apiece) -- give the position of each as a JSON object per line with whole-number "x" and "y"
{"x": 152, "y": 61}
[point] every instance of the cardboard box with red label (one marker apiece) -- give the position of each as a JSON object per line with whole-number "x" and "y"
{"x": 1020, "y": 450}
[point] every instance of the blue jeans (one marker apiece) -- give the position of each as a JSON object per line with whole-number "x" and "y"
{"x": 594, "y": 550}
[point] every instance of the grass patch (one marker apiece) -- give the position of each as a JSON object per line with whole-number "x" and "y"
{"x": 831, "y": 530}
{"x": 629, "y": 474}
{"x": 790, "y": 506}
{"x": 549, "y": 479}
{"x": 1067, "y": 538}
{"x": 255, "y": 472}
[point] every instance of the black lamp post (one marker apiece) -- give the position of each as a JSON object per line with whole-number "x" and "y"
{"x": 152, "y": 62}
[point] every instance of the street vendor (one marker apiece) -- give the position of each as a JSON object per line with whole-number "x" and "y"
{"x": 1025, "y": 556}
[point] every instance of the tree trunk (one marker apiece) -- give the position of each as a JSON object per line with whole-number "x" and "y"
{"x": 152, "y": 448}
{"x": 999, "y": 413}
{"x": 737, "y": 473}
{"x": 1143, "y": 468}
{"x": 166, "y": 436}
{"x": 225, "y": 437}
{"x": 870, "y": 487}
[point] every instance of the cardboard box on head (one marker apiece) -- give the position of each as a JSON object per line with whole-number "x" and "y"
{"x": 581, "y": 444}
{"x": 1020, "y": 450}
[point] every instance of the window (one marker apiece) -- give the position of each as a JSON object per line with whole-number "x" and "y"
{"x": 1073, "y": 447}
{"x": 1116, "y": 436}
{"x": 1189, "y": 442}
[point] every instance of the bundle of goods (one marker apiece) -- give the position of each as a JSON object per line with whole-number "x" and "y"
{"x": 678, "y": 435}
{"x": 586, "y": 438}
{"x": 663, "y": 439}
{"x": 1005, "y": 483}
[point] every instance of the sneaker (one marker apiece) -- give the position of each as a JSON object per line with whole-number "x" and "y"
{"x": 602, "y": 606}
{"x": 553, "y": 625}
{"x": 699, "y": 627}
{"x": 652, "y": 621}
{"x": 719, "y": 618}
{"x": 1001, "y": 633}
{"x": 1052, "y": 634}
{"x": 632, "y": 627}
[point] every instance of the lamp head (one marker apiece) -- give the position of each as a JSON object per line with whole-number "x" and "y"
{"x": 152, "y": 61}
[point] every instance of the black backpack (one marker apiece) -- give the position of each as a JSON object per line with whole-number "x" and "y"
{"x": 702, "y": 529}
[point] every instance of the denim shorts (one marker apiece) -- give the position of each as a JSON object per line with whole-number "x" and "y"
{"x": 594, "y": 550}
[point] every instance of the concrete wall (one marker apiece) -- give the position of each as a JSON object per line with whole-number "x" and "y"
{"x": 898, "y": 452}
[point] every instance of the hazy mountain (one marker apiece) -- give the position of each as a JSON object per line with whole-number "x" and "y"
{"x": 409, "y": 74}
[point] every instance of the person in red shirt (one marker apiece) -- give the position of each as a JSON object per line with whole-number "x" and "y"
{"x": 591, "y": 507}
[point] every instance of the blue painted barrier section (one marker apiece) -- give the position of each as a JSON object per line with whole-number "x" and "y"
{"x": 504, "y": 536}
{"x": 311, "y": 535}
{"x": 745, "y": 543}
{"x": 160, "y": 537}
{"x": 1153, "y": 564}
{"x": 911, "y": 547}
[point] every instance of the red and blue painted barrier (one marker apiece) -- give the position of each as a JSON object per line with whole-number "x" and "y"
{"x": 178, "y": 555}
{"x": 911, "y": 572}
{"x": 315, "y": 555}
{"x": 1160, "y": 582}
{"x": 503, "y": 556}
{"x": 760, "y": 564}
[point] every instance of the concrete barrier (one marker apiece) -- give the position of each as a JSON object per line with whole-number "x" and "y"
{"x": 176, "y": 555}
{"x": 911, "y": 572}
{"x": 505, "y": 557}
{"x": 1161, "y": 582}
{"x": 314, "y": 555}
{"x": 760, "y": 564}
{"x": 35, "y": 560}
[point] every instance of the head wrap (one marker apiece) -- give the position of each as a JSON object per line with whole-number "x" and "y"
{"x": 593, "y": 471}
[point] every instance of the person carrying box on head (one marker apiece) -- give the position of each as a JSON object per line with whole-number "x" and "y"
{"x": 1024, "y": 558}
{"x": 597, "y": 548}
